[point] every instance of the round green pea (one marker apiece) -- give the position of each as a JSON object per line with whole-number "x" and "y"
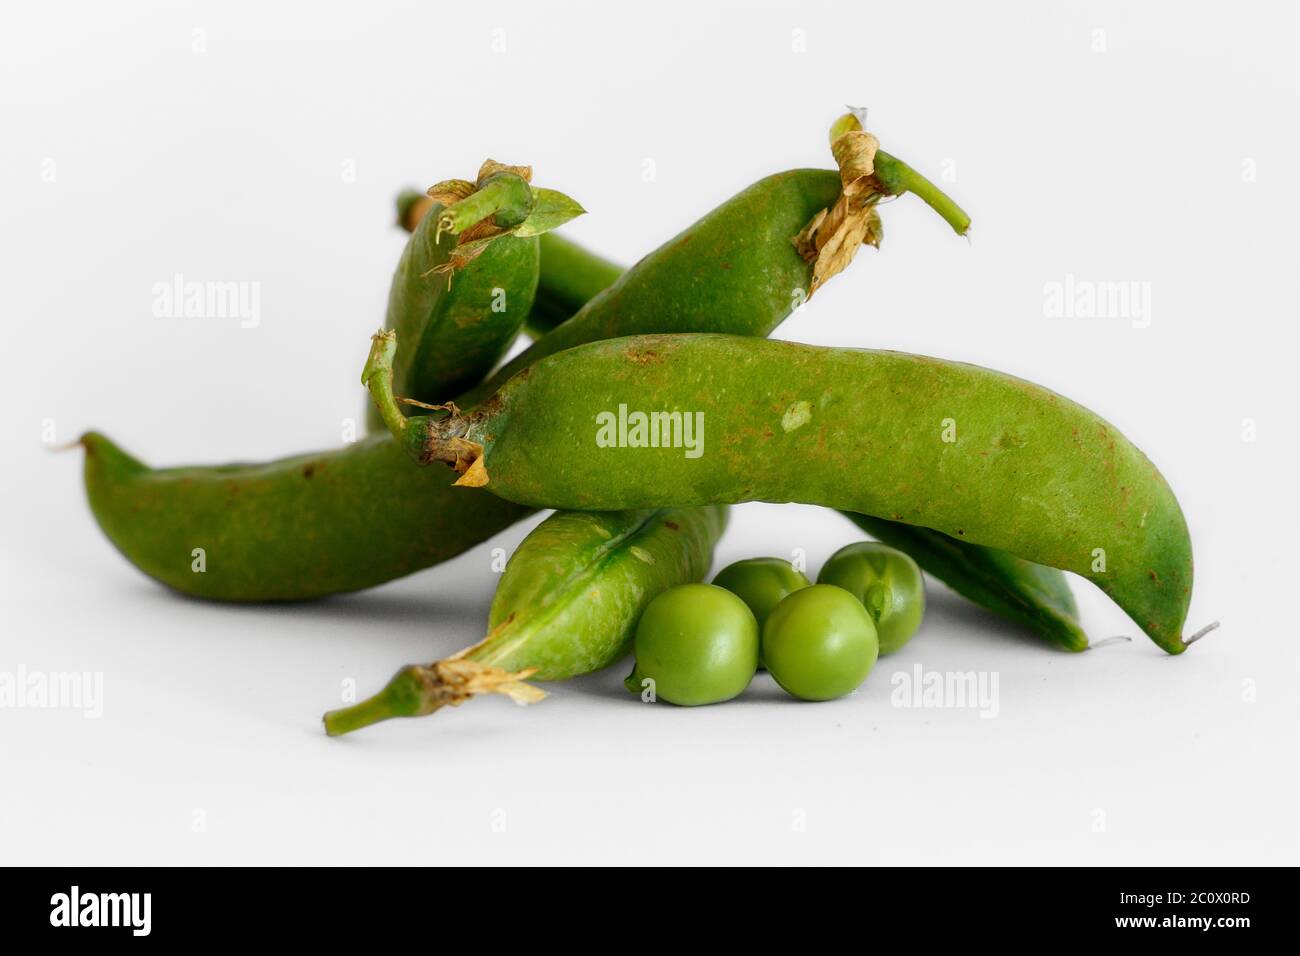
{"x": 762, "y": 583}
{"x": 698, "y": 643}
{"x": 820, "y": 643}
{"x": 887, "y": 582}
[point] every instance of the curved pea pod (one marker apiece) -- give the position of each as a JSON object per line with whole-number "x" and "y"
{"x": 567, "y": 604}
{"x": 569, "y": 275}
{"x": 297, "y": 528}
{"x": 1029, "y": 594}
{"x": 467, "y": 277}
{"x": 966, "y": 451}
{"x": 458, "y": 328}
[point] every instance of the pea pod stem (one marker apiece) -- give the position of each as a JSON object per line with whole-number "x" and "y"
{"x": 377, "y": 377}
{"x": 399, "y": 699}
{"x": 896, "y": 178}
{"x": 418, "y": 690}
{"x": 505, "y": 197}
{"x": 892, "y": 176}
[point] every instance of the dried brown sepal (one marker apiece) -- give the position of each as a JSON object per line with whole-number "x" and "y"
{"x": 451, "y": 682}
{"x": 855, "y": 154}
{"x": 832, "y": 237}
{"x": 483, "y": 229}
{"x": 460, "y": 257}
{"x": 450, "y": 191}
{"x": 475, "y": 476}
{"x": 491, "y": 167}
{"x": 550, "y": 209}
{"x": 805, "y": 242}
{"x": 461, "y": 454}
{"x": 875, "y": 230}
{"x": 440, "y": 407}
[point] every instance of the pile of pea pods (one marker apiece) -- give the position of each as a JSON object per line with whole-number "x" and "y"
{"x": 649, "y": 400}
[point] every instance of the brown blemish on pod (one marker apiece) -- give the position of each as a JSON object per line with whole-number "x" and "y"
{"x": 642, "y": 356}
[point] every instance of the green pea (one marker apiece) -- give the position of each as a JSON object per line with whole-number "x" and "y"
{"x": 820, "y": 643}
{"x": 852, "y": 429}
{"x": 761, "y": 583}
{"x": 887, "y": 582}
{"x": 698, "y": 643}
{"x": 567, "y": 604}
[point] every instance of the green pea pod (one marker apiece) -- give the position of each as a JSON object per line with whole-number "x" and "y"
{"x": 745, "y": 246}
{"x": 1029, "y": 594}
{"x": 466, "y": 280}
{"x": 567, "y": 605}
{"x": 569, "y": 277}
{"x": 297, "y": 528}
{"x": 1025, "y": 471}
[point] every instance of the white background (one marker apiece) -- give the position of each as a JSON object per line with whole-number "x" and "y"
{"x": 1146, "y": 142}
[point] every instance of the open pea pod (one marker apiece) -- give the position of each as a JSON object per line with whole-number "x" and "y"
{"x": 716, "y": 419}
{"x": 567, "y": 604}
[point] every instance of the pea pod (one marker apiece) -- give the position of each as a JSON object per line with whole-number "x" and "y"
{"x": 969, "y": 452}
{"x": 567, "y": 604}
{"x": 319, "y": 528}
{"x": 569, "y": 277}
{"x": 467, "y": 278}
{"x": 302, "y": 527}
